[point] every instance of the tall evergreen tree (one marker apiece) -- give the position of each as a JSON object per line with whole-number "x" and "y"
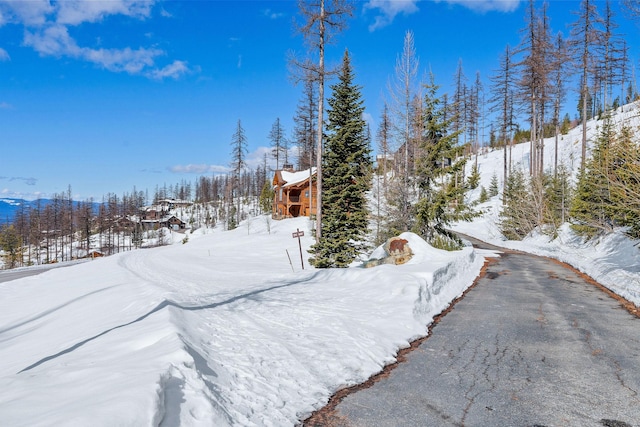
{"x": 322, "y": 19}
{"x": 441, "y": 200}
{"x": 625, "y": 182}
{"x": 557, "y": 197}
{"x": 519, "y": 213}
{"x": 347, "y": 175}
{"x": 592, "y": 207}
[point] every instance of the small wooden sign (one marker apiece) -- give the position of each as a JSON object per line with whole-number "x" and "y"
{"x": 299, "y": 234}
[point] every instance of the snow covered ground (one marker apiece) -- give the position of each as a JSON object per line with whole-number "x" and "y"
{"x": 217, "y": 331}
{"x": 228, "y": 329}
{"x": 612, "y": 260}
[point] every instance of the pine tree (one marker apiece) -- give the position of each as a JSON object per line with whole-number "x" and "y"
{"x": 322, "y": 19}
{"x": 625, "y": 182}
{"x": 493, "y": 186}
{"x": 557, "y": 197}
{"x": 441, "y": 200}
{"x": 474, "y": 179}
{"x": 11, "y": 244}
{"x": 484, "y": 195}
{"x": 516, "y": 215}
{"x": 266, "y": 197}
{"x": 347, "y": 175}
{"x": 592, "y": 207}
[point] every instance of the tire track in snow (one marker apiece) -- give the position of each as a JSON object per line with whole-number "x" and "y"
{"x": 52, "y": 310}
{"x": 164, "y": 304}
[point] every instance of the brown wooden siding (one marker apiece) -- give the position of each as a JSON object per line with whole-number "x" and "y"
{"x": 293, "y": 201}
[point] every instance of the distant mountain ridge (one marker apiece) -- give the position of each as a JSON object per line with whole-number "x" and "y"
{"x": 9, "y": 207}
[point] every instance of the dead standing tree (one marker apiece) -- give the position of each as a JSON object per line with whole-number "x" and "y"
{"x": 503, "y": 87}
{"x": 586, "y": 39}
{"x": 321, "y": 20}
{"x": 402, "y": 90}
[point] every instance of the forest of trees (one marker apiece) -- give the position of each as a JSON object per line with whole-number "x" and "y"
{"x": 61, "y": 229}
{"x": 423, "y": 140}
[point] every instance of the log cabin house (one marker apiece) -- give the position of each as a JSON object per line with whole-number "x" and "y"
{"x": 169, "y": 221}
{"x": 291, "y": 193}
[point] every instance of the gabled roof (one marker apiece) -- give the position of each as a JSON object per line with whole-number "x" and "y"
{"x": 291, "y": 179}
{"x": 163, "y": 219}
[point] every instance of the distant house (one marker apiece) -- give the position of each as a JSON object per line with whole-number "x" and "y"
{"x": 292, "y": 197}
{"x": 385, "y": 161}
{"x": 153, "y": 213}
{"x": 91, "y": 254}
{"x": 173, "y": 222}
{"x": 169, "y": 204}
{"x": 169, "y": 221}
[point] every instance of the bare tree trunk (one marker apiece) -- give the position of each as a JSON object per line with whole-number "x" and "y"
{"x": 320, "y": 124}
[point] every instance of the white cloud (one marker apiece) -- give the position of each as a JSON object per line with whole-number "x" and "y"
{"x": 53, "y": 40}
{"x": 272, "y": 15}
{"x": 388, "y": 10}
{"x": 11, "y": 194}
{"x": 56, "y": 41}
{"x": 173, "y": 70}
{"x": 127, "y": 60}
{"x": 74, "y": 12}
{"x": 487, "y": 5}
{"x": 28, "y": 181}
{"x": 4, "y": 55}
{"x": 253, "y": 160}
{"x": 47, "y": 32}
{"x": 33, "y": 12}
{"x": 199, "y": 169}
{"x": 256, "y": 158}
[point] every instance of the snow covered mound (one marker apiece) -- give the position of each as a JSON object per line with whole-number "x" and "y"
{"x": 222, "y": 330}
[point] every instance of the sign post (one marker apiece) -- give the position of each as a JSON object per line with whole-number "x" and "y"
{"x": 299, "y": 234}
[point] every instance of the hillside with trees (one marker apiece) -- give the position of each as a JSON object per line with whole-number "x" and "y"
{"x": 428, "y": 143}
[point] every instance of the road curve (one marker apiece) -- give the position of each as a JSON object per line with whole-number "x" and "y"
{"x": 532, "y": 344}
{"x": 9, "y": 275}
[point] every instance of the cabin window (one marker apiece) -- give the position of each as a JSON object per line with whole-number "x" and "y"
{"x": 306, "y": 194}
{"x": 280, "y": 194}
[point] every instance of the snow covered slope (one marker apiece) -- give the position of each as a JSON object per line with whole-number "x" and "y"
{"x": 218, "y": 331}
{"x": 612, "y": 260}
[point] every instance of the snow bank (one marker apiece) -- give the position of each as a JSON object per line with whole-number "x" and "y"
{"x": 219, "y": 331}
{"x": 613, "y": 260}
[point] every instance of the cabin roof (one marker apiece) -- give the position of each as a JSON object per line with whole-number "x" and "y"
{"x": 290, "y": 179}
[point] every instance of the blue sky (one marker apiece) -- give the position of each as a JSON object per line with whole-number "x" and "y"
{"x": 106, "y": 95}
